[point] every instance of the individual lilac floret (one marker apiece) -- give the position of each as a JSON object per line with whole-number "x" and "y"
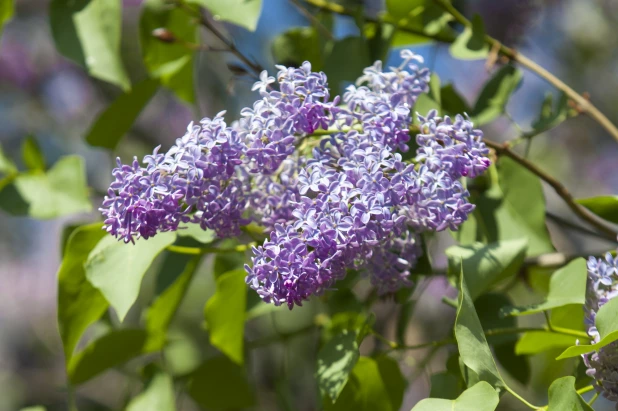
{"x": 197, "y": 175}
{"x": 299, "y": 107}
{"x": 602, "y": 286}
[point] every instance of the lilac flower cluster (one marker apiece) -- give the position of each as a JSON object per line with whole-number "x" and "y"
{"x": 602, "y": 286}
{"x": 351, "y": 201}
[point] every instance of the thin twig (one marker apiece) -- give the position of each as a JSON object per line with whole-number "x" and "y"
{"x": 575, "y": 227}
{"x": 317, "y": 23}
{"x": 579, "y": 210}
{"x": 582, "y": 102}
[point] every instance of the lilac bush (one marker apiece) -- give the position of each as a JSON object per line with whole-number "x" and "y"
{"x": 350, "y": 201}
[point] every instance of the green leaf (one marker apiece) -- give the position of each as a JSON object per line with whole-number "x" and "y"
{"x": 606, "y": 321}
{"x": 7, "y": 9}
{"x": 515, "y": 209}
{"x": 550, "y": 117}
{"x": 169, "y": 62}
{"x": 31, "y": 154}
{"x": 346, "y": 60}
{"x": 196, "y": 232}
{"x": 445, "y": 385}
{"x": 538, "y": 341}
{"x": 508, "y": 358}
{"x": 225, "y": 315}
{"x": 220, "y": 383}
{"x": 35, "y": 408}
{"x": 298, "y": 45}
{"x": 452, "y": 102}
{"x": 159, "y": 395}
{"x": 6, "y": 165}
{"x": 567, "y": 286}
{"x": 471, "y": 44}
{"x": 243, "y": 13}
{"x": 59, "y": 192}
{"x": 562, "y": 396}
{"x": 116, "y": 120}
{"x": 336, "y": 360}
{"x": 473, "y": 348}
{"x": 375, "y": 384}
{"x": 480, "y": 397}
{"x": 117, "y": 269}
{"x": 162, "y": 311}
{"x": 79, "y": 303}
{"x": 605, "y": 207}
{"x": 495, "y": 95}
{"x": 486, "y": 264}
{"x": 88, "y": 32}
{"x": 110, "y": 350}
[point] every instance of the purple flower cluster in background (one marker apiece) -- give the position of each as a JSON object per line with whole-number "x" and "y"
{"x": 602, "y": 286}
{"x": 347, "y": 200}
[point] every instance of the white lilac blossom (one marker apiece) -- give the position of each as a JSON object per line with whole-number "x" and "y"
{"x": 602, "y": 286}
{"x": 353, "y": 203}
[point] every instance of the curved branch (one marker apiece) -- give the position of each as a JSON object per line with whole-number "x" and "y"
{"x": 579, "y": 210}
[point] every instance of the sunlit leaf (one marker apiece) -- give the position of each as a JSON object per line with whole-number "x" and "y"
{"x": 225, "y": 315}
{"x": 486, "y": 264}
{"x": 79, "y": 303}
{"x": 424, "y": 104}
{"x": 159, "y": 395}
{"x": 538, "y": 341}
{"x": 116, "y": 120}
{"x": 110, "y": 350}
{"x": 374, "y": 384}
{"x": 61, "y": 191}
{"x": 170, "y": 62}
{"x": 605, "y": 207}
{"x": 567, "y": 286}
{"x": 471, "y": 44}
{"x": 480, "y": 397}
{"x": 562, "y": 396}
{"x": 243, "y": 13}
{"x": 495, "y": 95}
{"x": 335, "y": 362}
{"x": 219, "y": 383}
{"x": 88, "y": 32}
{"x": 196, "y": 232}
{"x": 7, "y": 9}
{"x": 117, "y": 269}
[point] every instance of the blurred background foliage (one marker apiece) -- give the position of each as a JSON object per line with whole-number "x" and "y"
{"x": 66, "y": 100}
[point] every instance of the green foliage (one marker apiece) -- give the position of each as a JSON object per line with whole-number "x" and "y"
{"x": 375, "y": 384}
{"x": 110, "y": 350}
{"x": 297, "y": 45}
{"x": 605, "y": 207}
{"x": 220, "y": 383}
{"x": 480, "y": 397}
{"x": 79, "y": 303}
{"x": 88, "y": 32}
{"x": 171, "y": 63}
{"x": 471, "y": 341}
{"x": 346, "y": 59}
{"x": 514, "y": 208}
{"x": 567, "y": 286}
{"x": 60, "y": 191}
{"x": 31, "y": 154}
{"x": 225, "y": 314}
{"x": 116, "y": 269}
{"x": 445, "y": 385}
{"x": 243, "y": 13}
{"x": 158, "y": 395}
{"x": 495, "y": 95}
{"x": 471, "y": 44}
{"x": 335, "y": 362}
{"x": 486, "y": 264}
{"x": 562, "y": 396}
{"x": 7, "y": 9}
{"x": 116, "y": 120}
{"x": 550, "y": 116}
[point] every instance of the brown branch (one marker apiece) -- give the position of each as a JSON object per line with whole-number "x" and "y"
{"x": 559, "y": 188}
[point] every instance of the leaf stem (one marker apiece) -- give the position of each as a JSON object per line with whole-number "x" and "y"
{"x": 586, "y": 389}
{"x": 208, "y": 250}
{"x": 522, "y": 399}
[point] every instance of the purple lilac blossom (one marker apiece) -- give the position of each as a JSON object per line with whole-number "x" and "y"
{"x": 602, "y": 286}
